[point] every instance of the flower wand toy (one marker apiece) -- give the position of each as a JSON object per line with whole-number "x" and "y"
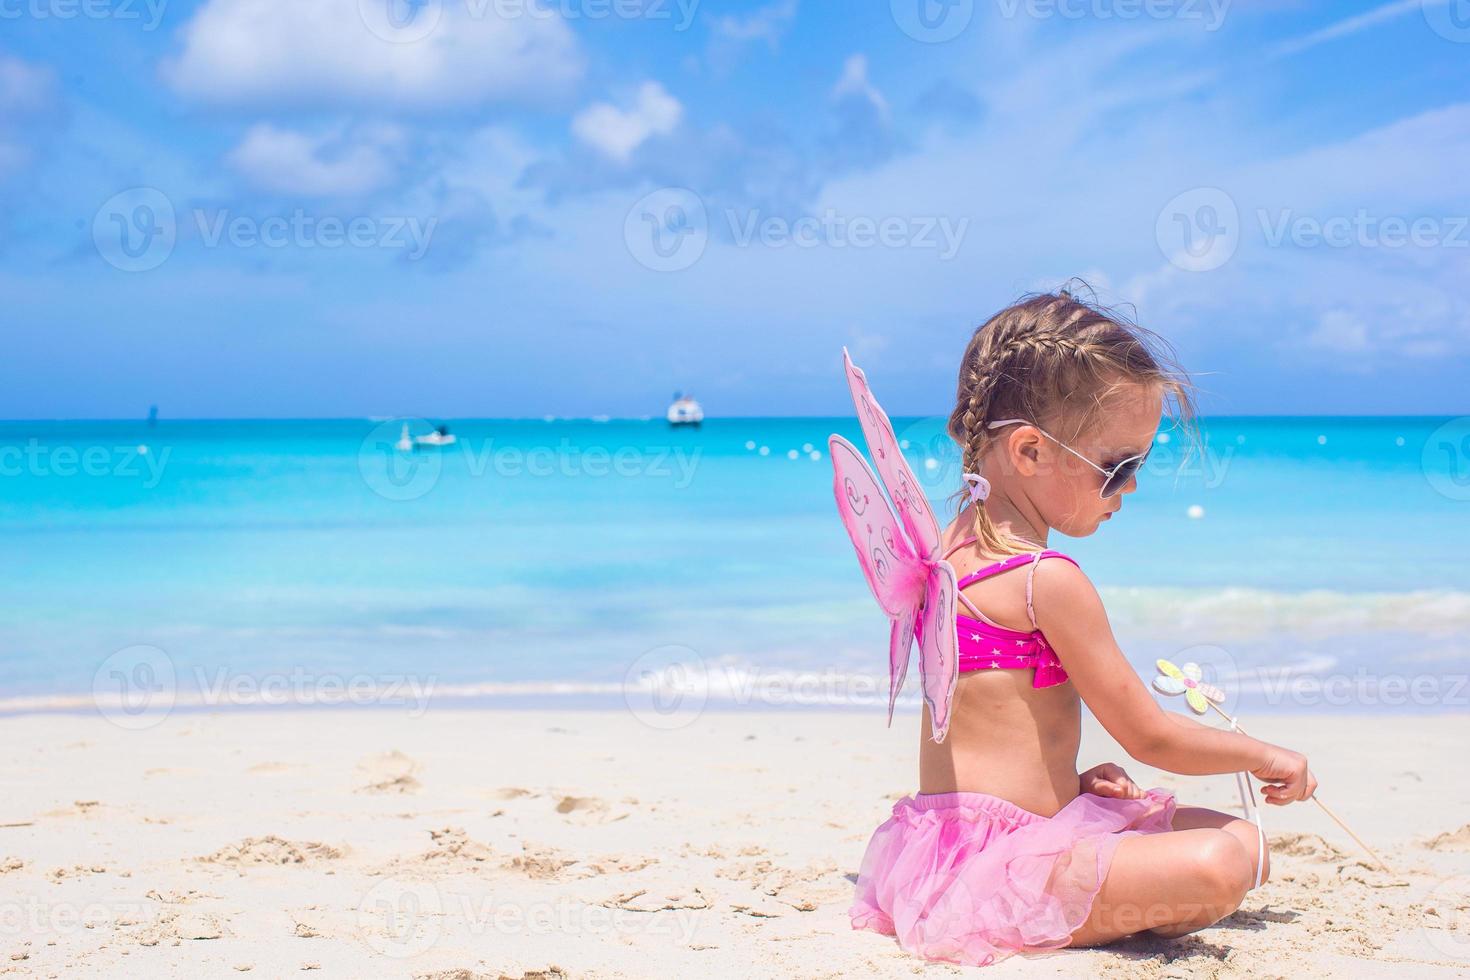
{"x": 1202, "y": 697}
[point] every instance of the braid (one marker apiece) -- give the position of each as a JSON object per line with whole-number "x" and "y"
{"x": 1048, "y": 355}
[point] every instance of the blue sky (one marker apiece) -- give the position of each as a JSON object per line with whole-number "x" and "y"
{"x": 267, "y": 208}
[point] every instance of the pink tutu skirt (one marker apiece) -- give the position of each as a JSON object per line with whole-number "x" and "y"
{"x": 970, "y": 878}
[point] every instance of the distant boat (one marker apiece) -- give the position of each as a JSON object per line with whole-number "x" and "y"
{"x": 685, "y": 411}
{"x": 441, "y": 436}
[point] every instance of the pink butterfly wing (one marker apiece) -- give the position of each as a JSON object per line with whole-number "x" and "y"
{"x": 900, "y": 643}
{"x": 939, "y": 662}
{"x": 908, "y": 497}
{"x": 894, "y": 572}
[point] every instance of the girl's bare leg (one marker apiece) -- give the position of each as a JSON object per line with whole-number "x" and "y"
{"x": 1172, "y": 883}
{"x": 1191, "y": 817}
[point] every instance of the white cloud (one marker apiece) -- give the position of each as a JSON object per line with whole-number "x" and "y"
{"x": 27, "y": 96}
{"x": 328, "y": 53}
{"x": 1352, "y": 25}
{"x": 326, "y": 164}
{"x": 25, "y": 89}
{"x": 767, "y": 24}
{"x": 854, "y": 84}
{"x": 616, "y": 133}
{"x": 1338, "y": 331}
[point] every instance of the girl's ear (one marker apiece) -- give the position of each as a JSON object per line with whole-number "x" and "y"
{"x": 1023, "y": 451}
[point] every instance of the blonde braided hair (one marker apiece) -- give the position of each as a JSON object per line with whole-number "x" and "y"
{"x": 1051, "y": 358}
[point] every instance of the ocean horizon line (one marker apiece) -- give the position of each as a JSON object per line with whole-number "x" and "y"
{"x": 602, "y": 419}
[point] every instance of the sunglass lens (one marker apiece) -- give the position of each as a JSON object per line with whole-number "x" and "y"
{"x": 1120, "y": 476}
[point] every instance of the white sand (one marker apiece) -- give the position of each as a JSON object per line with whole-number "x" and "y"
{"x": 495, "y": 843}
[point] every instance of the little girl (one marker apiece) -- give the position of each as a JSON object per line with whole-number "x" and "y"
{"x": 1007, "y": 848}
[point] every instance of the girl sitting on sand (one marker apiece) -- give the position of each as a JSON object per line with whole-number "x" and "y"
{"x": 1007, "y": 848}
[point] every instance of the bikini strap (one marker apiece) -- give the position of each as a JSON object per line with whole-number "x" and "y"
{"x": 1006, "y": 564}
{"x": 1031, "y": 576}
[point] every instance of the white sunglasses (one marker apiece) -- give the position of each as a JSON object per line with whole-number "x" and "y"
{"x": 1114, "y": 478}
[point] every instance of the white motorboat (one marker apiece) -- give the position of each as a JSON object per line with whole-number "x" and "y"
{"x": 441, "y": 436}
{"x": 685, "y": 411}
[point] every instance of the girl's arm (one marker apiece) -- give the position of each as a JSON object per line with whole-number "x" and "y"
{"x": 1076, "y": 626}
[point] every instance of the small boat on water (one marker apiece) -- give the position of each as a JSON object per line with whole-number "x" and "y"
{"x": 441, "y": 436}
{"x": 685, "y": 411}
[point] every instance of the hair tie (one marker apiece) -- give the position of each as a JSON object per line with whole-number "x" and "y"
{"x": 979, "y": 487}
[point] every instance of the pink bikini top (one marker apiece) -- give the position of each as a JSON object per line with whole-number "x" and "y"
{"x": 985, "y": 644}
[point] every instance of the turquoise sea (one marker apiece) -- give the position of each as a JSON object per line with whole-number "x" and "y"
{"x": 558, "y": 562}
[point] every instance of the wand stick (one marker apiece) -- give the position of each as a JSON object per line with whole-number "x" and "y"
{"x": 1335, "y": 818}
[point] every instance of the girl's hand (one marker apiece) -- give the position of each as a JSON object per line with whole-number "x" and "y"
{"x": 1109, "y": 779}
{"x": 1286, "y": 776}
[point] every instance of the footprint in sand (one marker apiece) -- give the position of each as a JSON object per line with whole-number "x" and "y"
{"x": 802, "y": 889}
{"x": 173, "y": 925}
{"x": 1305, "y": 845}
{"x": 171, "y": 897}
{"x": 272, "y": 850}
{"x": 8, "y": 864}
{"x": 390, "y": 772}
{"x": 617, "y": 864}
{"x": 588, "y": 810}
{"x": 1454, "y": 840}
{"x": 268, "y": 767}
{"x": 76, "y": 871}
{"x": 79, "y": 808}
{"x": 551, "y": 972}
{"x": 643, "y": 900}
{"x": 453, "y": 848}
{"x": 541, "y": 863}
